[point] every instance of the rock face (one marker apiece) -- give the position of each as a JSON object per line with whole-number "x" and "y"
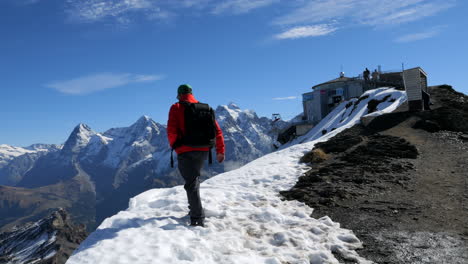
{"x": 49, "y": 241}
{"x": 16, "y": 161}
{"x": 112, "y": 166}
{"x": 399, "y": 182}
{"x": 374, "y": 160}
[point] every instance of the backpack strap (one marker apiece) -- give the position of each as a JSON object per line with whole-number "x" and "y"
{"x": 174, "y": 146}
{"x": 210, "y": 157}
{"x": 172, "y": 158}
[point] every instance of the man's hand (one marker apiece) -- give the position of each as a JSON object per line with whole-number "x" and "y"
{"x": 220, "y": 157}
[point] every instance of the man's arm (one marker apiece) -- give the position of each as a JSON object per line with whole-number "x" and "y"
{"x": 219, "y": 143}
{"x": 172, "y": 126}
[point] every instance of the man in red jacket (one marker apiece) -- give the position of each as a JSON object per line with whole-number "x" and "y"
{"x": 190, "y": 159}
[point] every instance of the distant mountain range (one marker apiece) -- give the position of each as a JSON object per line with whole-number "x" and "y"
{"x": 94, "y": 174}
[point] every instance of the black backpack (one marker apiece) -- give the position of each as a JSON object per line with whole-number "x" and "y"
{"x": 200, "y": 128}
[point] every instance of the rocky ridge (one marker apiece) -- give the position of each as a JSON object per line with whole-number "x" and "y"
{"x": 399, "y": 181}
{"x": 49, "y": 241}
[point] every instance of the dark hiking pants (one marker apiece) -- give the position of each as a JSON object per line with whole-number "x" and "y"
{"x": 190, "y": 165}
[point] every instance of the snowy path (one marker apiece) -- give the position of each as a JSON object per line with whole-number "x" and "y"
{"x": 247, "y": 222}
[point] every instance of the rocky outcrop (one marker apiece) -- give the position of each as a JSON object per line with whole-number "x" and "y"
{"x": 373, "y": 160}
{"x": 399, "y": 182}
{"x": 49, "y": 241}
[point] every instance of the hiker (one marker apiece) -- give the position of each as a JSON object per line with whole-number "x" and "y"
{"x": 366, "y": 74}
{"x": 192, "y": 131}
{"x": 375, "y": 75}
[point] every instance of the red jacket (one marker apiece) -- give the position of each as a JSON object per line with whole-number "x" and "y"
{"x": 176, "y": 127}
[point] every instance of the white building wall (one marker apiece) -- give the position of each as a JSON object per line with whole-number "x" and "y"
{"x": 413, "y": 84}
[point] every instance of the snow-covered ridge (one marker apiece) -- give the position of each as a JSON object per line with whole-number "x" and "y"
{"x": 8, "y": 153}
{"x": 247, "y": 221}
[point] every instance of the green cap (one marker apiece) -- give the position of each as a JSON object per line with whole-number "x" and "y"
{"x": 184, "y": 89}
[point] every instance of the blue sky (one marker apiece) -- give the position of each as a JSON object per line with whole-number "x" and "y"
{"x": 106, "y": 63}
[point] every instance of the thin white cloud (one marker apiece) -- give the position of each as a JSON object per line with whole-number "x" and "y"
{"x": 370, "y": 12}
{"x": 95, "y": 10}
{"x": 316, "y": 11}
{"x": 121, "y": 10}
{"x": 126, "y": 10}
{"x": 298, "y": 17}
{"x": 408, "y": 13}
{"x": 306, "y": 31}
{"x": 418, "y": 36}
{"x": 98, "y": 82}
{"x": 241, "y": 6}
{"x": 285, "y": 98}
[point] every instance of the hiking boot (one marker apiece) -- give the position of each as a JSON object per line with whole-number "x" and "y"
{"x": 197, "y": 222}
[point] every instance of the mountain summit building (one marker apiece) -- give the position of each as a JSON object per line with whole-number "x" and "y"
{"x": 326, "y": 96}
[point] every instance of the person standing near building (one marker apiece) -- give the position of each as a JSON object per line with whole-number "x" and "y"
{"x": 192, "y": 131}
{"x": 375, "y": 75}
{"x": 366, "y": 74}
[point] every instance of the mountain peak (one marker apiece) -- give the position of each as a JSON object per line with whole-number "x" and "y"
{"x": 143, "y": 119}
{"x": 233, "y": 105}
{"x": 82, "y": 128}
{"x": 142, "y": 123}
{"x": 78, "y": 138}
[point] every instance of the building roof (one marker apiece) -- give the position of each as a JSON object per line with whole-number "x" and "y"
{"x": 419, "y": 69}
{"x": 340, "y": 79}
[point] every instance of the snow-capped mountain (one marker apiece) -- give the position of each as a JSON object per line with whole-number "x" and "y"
{"x": 8, "y": 153}
{"x": 247, "y": 221}
{"x": 122, "y": 162}
{"x": 16, "y": 161}
{"x": 246, "y": 135}
{"x": 50, "y": 240}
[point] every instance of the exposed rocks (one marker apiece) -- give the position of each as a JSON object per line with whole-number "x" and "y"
{"x": 346, "y": 139}
{"x": 428, "y": 125}
{"x": 372, "y": 104}
{"x": 49, "y": 241}
{"x": 372, "y": 160}
{"x": 315, "y": 156}
{"x": 358, "y": 102}
{"x": 450, "y": 110}
{"x": 399, "y": 181}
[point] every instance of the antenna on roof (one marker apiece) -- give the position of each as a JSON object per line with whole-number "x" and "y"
{"x": 341, "y": 71}
{"x": 403, "y": 74}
